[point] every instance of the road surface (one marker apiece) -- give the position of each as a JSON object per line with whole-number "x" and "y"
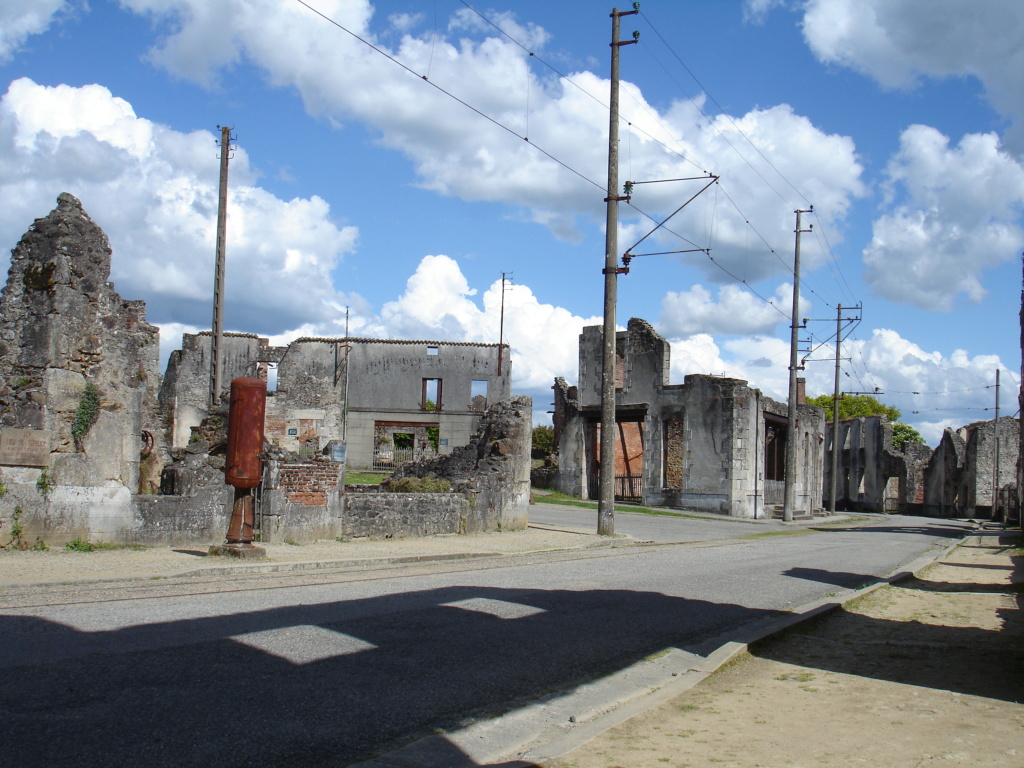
{"x": 325, "y": 668}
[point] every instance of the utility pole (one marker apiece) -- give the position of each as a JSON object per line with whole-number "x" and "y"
{"x": 791, "y": 427}
{"x": 1020, "y": 404}
{"x": 835, "y": 416}
{"x": 501, "y": 325}
{"x": 836, "y": 397}
{"x": 995, "y": 468}
{"x": 606, "y": 482}
{"x": 216, "y": 358}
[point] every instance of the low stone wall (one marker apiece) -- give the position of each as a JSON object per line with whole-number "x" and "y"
{"x": 178, "y": 520}
{"x": 544, "y": 477}
{"x": 399, "y": 515}
{"x": 109, "y": 514}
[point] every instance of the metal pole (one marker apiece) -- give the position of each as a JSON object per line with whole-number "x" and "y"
{"x": 606, "y": 481}
{"x": 791, "y": 426}
{"x": 995, "y": 468}
{"x": 836, "y": 444}
{"x": 501, "y": 325}
{"x": 216, "y": 358}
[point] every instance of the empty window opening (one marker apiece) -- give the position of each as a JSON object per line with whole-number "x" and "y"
{"x": 431, "y": 399}
{"x": 432, "y": 350}
{"x": 478, "y": 395}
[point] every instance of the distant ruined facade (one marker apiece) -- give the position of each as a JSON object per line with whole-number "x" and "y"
{"x": 713, "y": 444}
{"x": 874, "y": 475}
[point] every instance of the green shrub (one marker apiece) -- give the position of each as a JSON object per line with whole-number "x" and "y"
{"x": 418, "y": 485}
{"x": 79, "y": 545}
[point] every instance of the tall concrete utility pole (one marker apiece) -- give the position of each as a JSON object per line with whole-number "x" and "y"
{"x": 1020, "y": 403}
{"x": 217, "y": 360}
{"x": 791, "y": 427}
{"x": 995, "y": 460}
{"x": 606, "y": 481}
{"x": 836, "y": 444}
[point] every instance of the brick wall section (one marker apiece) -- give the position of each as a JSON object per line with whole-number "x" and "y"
{"x": 309, "y": 483}
{"x": 674, "y": 454}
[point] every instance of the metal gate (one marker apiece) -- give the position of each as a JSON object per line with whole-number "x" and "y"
{"x": 629, "y": 488}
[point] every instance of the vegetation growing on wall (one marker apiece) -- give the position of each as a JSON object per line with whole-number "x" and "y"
{"x": 86, "y": 415}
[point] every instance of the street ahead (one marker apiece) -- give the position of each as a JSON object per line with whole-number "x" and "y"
{"x": 324, "y": 668}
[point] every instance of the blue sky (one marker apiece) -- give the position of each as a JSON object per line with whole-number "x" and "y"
{"x": 359, "y": 184}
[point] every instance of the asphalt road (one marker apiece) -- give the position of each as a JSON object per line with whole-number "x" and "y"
{"x": 325, "y": 669}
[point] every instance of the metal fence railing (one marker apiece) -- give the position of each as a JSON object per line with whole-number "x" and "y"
{"x": 629, "y": 488}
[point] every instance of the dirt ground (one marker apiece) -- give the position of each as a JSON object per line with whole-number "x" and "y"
{"x": 923, "y": 674}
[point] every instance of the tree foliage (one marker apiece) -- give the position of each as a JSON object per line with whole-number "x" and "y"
{"x": 904, "y": 433}
{"x": 852, "y": 406}
{"x": 544, "y": 439}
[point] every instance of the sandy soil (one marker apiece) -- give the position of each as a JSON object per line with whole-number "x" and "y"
{"x": 924, "y": 674}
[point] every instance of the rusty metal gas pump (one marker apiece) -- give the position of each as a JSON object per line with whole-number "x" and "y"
{"x": 244, "y": 468}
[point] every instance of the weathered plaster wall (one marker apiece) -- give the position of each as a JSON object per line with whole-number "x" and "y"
{"x": 980, "y": 461}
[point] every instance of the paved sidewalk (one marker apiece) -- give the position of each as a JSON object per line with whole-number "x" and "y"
{"x": 924, "y": 673}
{"x": 59, "y": 565}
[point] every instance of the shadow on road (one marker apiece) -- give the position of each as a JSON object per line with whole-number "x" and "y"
{"x": 318, "y": 685}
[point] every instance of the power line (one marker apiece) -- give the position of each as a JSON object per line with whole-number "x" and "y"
{"x": 451, "y": 95}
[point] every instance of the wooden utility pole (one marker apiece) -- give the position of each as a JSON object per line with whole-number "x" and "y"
{"x": 791, "y": 426}
{"x": 216, "y": 357}
{"x": 606, "y": 481}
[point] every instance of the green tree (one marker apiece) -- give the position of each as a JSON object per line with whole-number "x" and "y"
{"x": 852, "y": 406}
{"x": 544, "y": 439}
{"x": 904, "y": 433}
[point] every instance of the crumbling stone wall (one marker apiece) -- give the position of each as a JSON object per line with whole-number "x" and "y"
{"x": 492, "y": 472}
{"x": 703, "y": 440}
{"x": 981, "y": 469}
{"x": 945, "y": 494}
{"x": 72, "y": 351}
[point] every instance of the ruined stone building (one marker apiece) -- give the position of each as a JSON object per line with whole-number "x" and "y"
{"x": 78, "y": 378}
{"x": 387, "y": 400}
{"x": 711, "y": 443}
{"x": 873, "y": 475}
{"x": 962, "y": 472}
{"x": 88, "y": 429}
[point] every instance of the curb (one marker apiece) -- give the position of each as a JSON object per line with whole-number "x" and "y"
{"x": 367, "y": 563}
{"x": 555, "y": 725}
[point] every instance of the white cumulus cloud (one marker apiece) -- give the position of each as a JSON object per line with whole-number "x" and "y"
{"x": 896, "y": 42}
{"x": 458, "y": 152}
{"x": 737, "y": 311}
{"x": 154, "y": 192}
{"x": 956, "y": 212}
{"x": 19, "y": 19}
